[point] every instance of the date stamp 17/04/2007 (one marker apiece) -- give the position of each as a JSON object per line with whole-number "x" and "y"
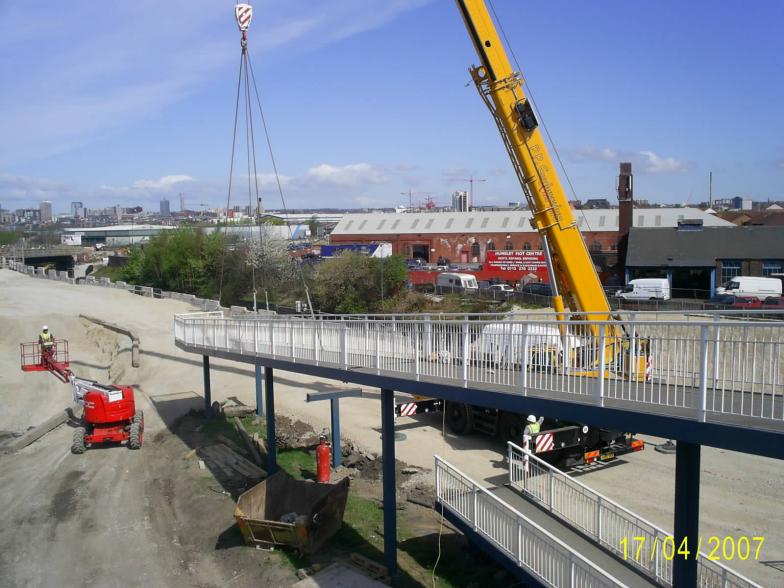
{"x": 726, "y": 548}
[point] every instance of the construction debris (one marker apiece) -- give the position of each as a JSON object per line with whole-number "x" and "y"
{"x": 17, "y": 443}
{"x": 230, "y": 462}
{"x": 254, "y": 452}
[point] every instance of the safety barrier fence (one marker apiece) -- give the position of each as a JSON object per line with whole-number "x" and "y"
{"x": 693, "y": 369}
{"x": 146, "y": 291}
{"x": 524, "y": 542}
{"x": 626, "y": 535}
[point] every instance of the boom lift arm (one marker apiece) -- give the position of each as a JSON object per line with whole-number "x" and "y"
{"x": 502, "y": 90}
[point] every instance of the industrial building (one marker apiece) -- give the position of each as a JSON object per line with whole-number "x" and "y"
{"x": 696, "y": 259}
{"x": 466, "y": 237}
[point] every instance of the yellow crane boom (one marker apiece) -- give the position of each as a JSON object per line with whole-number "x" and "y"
{"x": 577, "y": 282}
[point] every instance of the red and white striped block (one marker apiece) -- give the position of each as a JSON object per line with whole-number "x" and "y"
{"x": 544, "y": 442}
{"x": 408, "y": 409}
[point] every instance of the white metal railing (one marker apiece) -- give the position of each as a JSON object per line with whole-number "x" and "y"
{"x": 608, "y": 523}
{"x": 696, "y": 369}
{"x": 524, "y": 542}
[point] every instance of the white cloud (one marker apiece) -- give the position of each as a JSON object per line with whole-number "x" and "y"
{"x": 164, "y": 183}
{"x": 655, "y": 164}
{"x": 354, "y": 174}
{"x": 644, "y": 161}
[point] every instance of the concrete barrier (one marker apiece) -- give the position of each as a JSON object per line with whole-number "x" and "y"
{"x": 135, "y": 360}
{"x": 40, "y": 272}
{"x": 51, "y": 274}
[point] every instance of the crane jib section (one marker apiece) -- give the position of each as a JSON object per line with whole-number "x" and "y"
{"x": 502, "y": 89}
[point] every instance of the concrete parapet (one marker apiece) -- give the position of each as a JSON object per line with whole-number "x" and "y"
{"x": 123, "y": 331}
{"x": 40, "y": 272}
{"x": 51, "y": 274}
{"x": 104, "y": 282}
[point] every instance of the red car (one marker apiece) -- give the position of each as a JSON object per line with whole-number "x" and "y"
{"x": 746, "y": 302}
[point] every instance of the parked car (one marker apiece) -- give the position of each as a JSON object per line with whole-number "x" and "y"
{"x": 774, "y": 303}
{"x": 415, "y": 263}
{"x": 730, "y": 301}
{"x": 503, "y": 290}
{"x": 538, "y": 288}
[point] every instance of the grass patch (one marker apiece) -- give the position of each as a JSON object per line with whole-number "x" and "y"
{"x": 113, "y": 273}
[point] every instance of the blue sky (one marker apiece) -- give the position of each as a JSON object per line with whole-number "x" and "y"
{"x": 370, "y": 98}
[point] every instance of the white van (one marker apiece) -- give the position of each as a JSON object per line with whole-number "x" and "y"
{"x": 645, "y": 289}
{"x": 761, "y": 288}
{"x": 457, "y": 283}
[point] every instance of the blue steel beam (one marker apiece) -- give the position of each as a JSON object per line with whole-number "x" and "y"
{"x": 207, "y": 387}
{"x": 767, "y": 443}
{"x": 334, "y": 394}
{"x": 259, "y": 393}
{"x": 388, "y": 477}
{"x": 687, "y": 514}
{"x": 335, "y": 423}
{"x": 272, "y": 447}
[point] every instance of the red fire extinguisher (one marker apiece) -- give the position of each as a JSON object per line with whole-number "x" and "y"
{"x": 323, "y": 460}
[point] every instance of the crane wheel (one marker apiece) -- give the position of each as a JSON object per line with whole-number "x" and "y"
{"x": 78, "y": 446}
{"x": 459, "y": 417}
{"x": 135, "y": 436}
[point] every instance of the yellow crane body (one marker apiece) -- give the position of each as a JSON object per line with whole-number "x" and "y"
{"x": 502, "y": 89}
{"x": 577, "y": 284}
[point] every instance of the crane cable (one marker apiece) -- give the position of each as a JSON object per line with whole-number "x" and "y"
{"x": 277, "y": 180}
{"x": 247, "y": 75}
{"x": 231, "y": 174}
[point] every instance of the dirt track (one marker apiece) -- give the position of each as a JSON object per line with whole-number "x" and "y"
{"x": 89, "y": 520}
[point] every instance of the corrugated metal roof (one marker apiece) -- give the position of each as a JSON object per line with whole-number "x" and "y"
{"x": 674, "y": 248}
{"x": 515, "y": 221}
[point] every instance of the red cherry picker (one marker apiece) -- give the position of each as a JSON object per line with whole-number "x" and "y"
{"x": 110, "y": 413}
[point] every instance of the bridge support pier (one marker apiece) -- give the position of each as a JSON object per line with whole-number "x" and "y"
{"x": 272, "y": 447}
{"x": 207, "y": 388}
{"x": 334, "y": 406}
{"x": 687, "y": 513}
{"x": 388, "y": 464}
{"x": 259, "y": 394}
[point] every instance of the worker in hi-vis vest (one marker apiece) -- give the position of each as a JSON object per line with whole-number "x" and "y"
{"x": 532, "y": 428}
{"x": 46, "y": 340}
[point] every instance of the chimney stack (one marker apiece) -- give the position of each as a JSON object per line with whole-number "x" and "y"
{"x": 625, "y": 199}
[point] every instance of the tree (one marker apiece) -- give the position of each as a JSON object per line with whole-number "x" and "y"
{"x": 356, "y": 283}
{"x": 268, "y": 257}
{"x": 313, "y": 226}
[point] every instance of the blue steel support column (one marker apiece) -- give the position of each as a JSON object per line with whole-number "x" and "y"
{"x": 713, "y": 284}
{"x": 334, "y": 405}
{"x": 259, "y": 394}
{"x": 207, "y": 389}
{"x": 272, "y": 448}
{"x": 687, "y": 513}
{"x": 388, "y": 465}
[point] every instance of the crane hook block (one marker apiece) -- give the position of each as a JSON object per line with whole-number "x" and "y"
{"x": 243, "y": 14}
{"x": 526, "y": 114}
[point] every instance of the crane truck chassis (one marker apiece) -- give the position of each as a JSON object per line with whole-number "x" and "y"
{"x": 559, "y": 443}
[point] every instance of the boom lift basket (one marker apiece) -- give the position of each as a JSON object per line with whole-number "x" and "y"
{"x": 32, "y": 361}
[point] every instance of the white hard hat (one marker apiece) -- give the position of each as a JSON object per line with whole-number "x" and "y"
{"x": 45, "y": 328}
{"x": 531, "y": 418}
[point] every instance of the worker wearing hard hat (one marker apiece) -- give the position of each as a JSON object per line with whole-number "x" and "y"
{"x": 533, "y": 427}
{"x": 46, "y": 340}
